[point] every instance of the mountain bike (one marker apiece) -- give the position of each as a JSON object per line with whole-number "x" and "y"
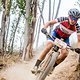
{"x": 47, "y": 64}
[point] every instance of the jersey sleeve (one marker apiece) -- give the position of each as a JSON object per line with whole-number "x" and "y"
{"x": 60, "y": 19}
{"x": 78, "y": 28}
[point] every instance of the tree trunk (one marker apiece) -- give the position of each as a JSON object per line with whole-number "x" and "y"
{"x": 2, "y": 36}
{"x": 0, "y": 40}
{"x": 13, "y": 38}
{"x": 29, "y": 29}
{"x": 39, "y": 20}
{"x": 4, "y": 24}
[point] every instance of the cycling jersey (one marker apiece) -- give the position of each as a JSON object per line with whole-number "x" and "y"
{"x": 65, "y": 29}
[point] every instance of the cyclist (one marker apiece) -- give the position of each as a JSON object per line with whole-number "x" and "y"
{"x": 67, "y": 25}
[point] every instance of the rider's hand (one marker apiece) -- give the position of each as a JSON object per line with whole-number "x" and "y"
{"x": 43, "y": 30}
{"x": 77, "y": 50}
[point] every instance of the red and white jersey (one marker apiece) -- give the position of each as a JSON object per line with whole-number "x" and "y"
{"x": 65, "y": 29}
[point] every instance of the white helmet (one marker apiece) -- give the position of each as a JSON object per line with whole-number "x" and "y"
{"x": 74, "y": 12}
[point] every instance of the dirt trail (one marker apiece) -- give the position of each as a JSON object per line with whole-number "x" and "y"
{"x": 19, "y": 71}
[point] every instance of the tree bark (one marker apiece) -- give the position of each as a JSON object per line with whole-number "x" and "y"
{"x": 31, "y": 7}
{"x": 2, "y": 36}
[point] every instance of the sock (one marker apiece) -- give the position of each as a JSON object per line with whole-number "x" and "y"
{"x": 38, "y": 62}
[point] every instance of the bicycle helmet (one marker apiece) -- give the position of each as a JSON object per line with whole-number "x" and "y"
{"x": 74, "y": 13}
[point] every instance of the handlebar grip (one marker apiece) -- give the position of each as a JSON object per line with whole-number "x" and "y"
{"x": 43, "y": 30}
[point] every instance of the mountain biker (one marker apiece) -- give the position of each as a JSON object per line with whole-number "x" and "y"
{"x": 67, "y": 26}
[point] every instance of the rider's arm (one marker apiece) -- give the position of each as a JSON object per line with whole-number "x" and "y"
{"x": 52, "y": 22}
{"x": 49, "y": 23}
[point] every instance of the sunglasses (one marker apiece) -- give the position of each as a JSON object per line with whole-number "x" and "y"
{"x": 73, "y": 18}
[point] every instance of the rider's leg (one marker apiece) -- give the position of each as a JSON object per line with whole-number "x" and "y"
{"x": 47, "y": 48}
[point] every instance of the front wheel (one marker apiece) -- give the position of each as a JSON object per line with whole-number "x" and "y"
{"x": 47, "y": 66}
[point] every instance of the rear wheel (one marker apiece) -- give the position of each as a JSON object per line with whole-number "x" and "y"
{"x": 46, "y": 66}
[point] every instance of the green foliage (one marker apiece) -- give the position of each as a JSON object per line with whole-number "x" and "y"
{"x": 21, "y": 5}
